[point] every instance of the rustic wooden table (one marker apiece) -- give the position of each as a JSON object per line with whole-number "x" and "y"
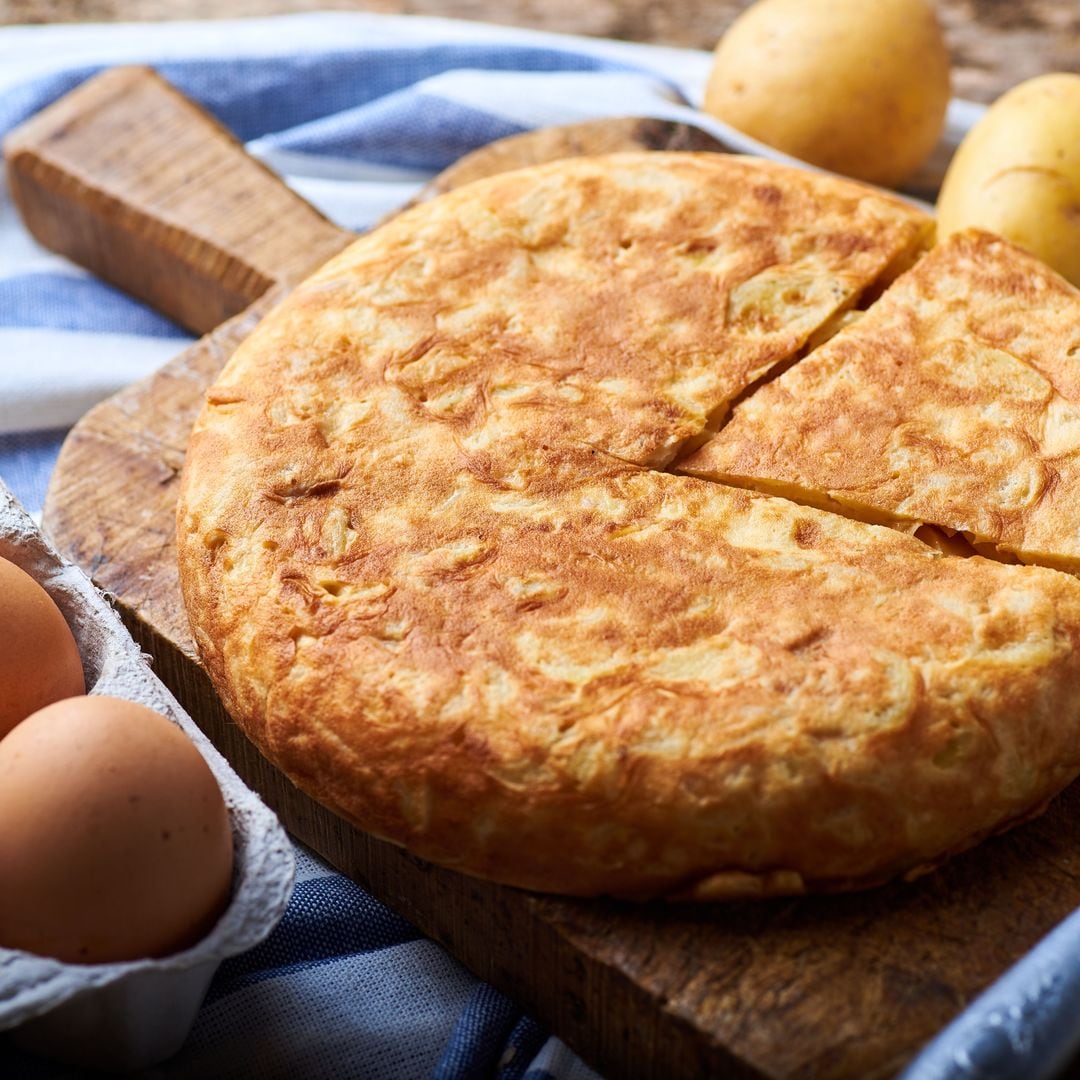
{"x": 995, "y": 43}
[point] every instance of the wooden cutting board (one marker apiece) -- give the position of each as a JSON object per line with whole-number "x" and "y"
{"x": 130, "y": 179}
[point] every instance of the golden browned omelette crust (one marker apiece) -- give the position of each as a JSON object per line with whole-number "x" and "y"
{"x": 436, "y": 578}
{"x": 954, "y": 401}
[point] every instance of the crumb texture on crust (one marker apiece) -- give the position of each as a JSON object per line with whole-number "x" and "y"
{"x": 436, "y": 575}
{"x": 954, "y": 401}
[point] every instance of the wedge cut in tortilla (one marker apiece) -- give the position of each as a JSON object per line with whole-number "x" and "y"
{"x": 954, "y": 401}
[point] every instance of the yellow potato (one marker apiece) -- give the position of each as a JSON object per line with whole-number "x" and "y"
{"x": 1018, "y": 173}
{"x": 856, "y": 87}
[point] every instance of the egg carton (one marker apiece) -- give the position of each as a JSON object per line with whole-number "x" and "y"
{"x": 131, "y": 1015}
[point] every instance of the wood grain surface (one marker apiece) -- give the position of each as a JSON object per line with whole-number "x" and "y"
{"x": 841, "y": 986}
{"x": 164, "y": 238}
{"x": 995, "y": 43}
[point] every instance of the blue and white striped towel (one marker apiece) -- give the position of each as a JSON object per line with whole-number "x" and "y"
{"x": 357, "y": 112}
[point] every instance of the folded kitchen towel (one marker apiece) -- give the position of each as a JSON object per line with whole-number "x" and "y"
{"x": 357, "y": 112}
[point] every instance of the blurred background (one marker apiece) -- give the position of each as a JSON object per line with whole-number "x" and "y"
{"x": 995, "y": 43}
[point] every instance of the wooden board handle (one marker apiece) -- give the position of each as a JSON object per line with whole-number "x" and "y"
{"x": 130, "y": 179}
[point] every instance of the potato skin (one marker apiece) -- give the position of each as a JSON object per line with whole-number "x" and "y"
{"x": 854, "y": 87}
{"x": 1018, "y": 173}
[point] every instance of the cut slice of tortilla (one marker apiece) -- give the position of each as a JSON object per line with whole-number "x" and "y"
{"x": 954, "y": 401}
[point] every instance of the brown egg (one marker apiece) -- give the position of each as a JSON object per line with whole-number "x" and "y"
{"x": 115, "y": 841}
{"x": 39, "y": 660}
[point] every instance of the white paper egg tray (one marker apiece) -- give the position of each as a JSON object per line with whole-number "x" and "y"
{"x": 131, "y": 1015}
